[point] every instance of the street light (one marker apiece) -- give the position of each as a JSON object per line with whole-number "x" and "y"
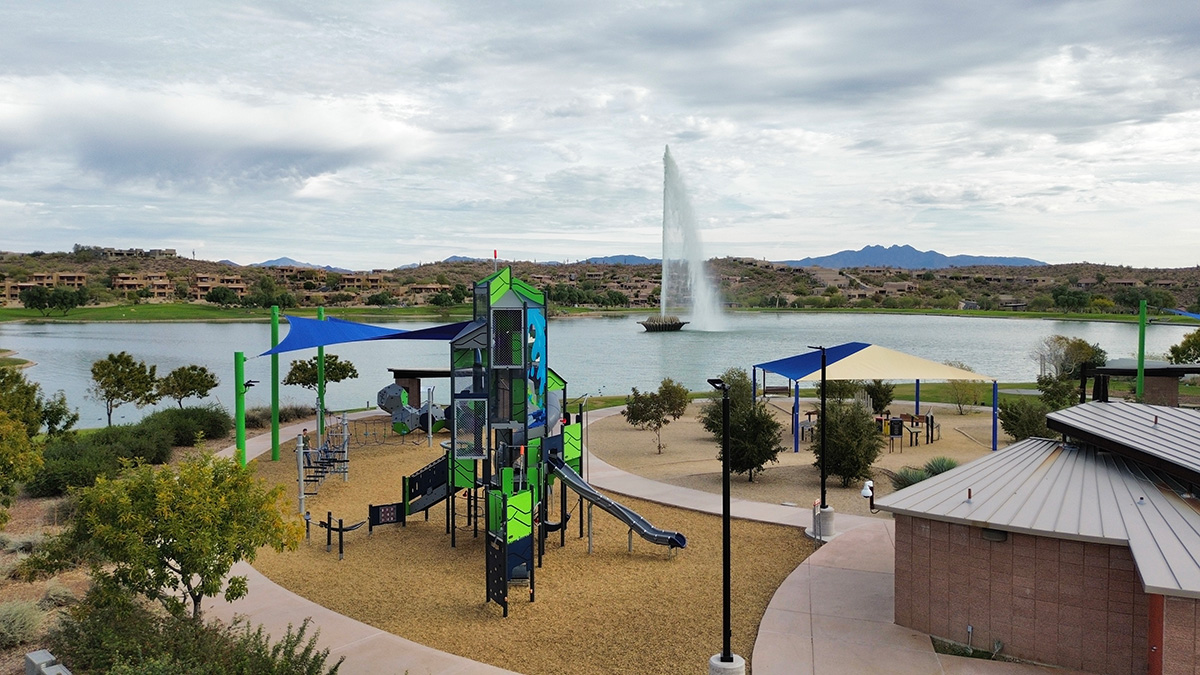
{"x": 825, "y": 527}
{"x": 726, "y": 661}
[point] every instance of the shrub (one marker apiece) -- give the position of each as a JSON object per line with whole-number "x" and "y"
{"x": 184, "y": 424}
{"x": 19, "y": 621}
{"x": 938, "y": 465}
{"x": 110, "y": 632}
{"x": 854, "y": 441}
{"x": 906, "y": 476}
{"x": 147, "y": 441}
{"x": 57, "y": 595}
{"x": 27, "y": 543}
{"x": 59, "y": 474}
{"x": 1024, "y": 418}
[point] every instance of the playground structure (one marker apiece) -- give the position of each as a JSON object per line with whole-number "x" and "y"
{"x": 331, "y": 456}
{"x": 508, "y": 441}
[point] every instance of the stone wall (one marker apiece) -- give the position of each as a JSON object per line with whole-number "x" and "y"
{"x": 1066, "y": 603}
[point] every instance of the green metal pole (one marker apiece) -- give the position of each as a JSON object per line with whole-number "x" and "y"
{"x": 320, "y": 384}
{"x": 239, "y": 388}
{"x": 1141, "y": 378}
{"x": 274, "y": 385}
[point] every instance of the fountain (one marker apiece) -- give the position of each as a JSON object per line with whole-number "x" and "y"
{"x": 685, "y": 282}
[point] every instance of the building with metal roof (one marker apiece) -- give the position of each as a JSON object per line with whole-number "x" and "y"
{"x": 1082, "y": 552}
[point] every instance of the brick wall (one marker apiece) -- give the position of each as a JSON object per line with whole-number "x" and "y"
{"x": 1054, "y": 601}
{"x": 1181, "y": 636}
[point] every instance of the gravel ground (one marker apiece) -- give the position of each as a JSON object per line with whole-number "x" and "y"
{"x": 610, "y": 611}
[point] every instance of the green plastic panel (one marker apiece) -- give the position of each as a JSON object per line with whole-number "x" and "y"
{"x": 520, "y": 516}
{"x": 572, "y": 441}
{"x": 499, "y": 284}
{"x": 464, "y": 473}
{"x": 530, "y": 293}
{"x": 554, "y": 381}
{"x": 495, "y": 511}
{"x": 506, "y": 480}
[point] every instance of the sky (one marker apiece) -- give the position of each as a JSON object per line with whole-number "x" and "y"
{"x": 376, "y": 134}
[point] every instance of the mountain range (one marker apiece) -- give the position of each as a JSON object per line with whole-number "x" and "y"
{"x": 907, "y": 257}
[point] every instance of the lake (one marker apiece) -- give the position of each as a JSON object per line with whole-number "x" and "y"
{"x": 596, "y": 355}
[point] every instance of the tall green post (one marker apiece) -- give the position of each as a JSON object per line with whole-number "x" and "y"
{"x": 320, "y": 384}
{"x": 274, "y": 385}
{"x": 1141, "y": 376}
{"x": 239, "y": 398}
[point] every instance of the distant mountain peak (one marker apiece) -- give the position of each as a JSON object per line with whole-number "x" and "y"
{"x": 288, "y": 262}
{"x": 907, "y": 257}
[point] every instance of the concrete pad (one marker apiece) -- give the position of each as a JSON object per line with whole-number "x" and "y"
{"x": 867, "y": 548}
{"x": 791, "y": 623}
{"x": 836, "y": 657}
{"x": 858, "y": 631}
{"x": 781, "y": 654}
{"x": 852, "y": 594}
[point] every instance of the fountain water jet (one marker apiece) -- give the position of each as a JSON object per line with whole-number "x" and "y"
{"x": 685, "y": 282}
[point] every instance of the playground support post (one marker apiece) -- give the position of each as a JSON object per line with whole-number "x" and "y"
{"x": 1141, "y": 374}
{"x": 274, "y": 384}
{"x": 300, "y": 470}
{"x": 320, "y": 385}
{"x": 239, "y": 398}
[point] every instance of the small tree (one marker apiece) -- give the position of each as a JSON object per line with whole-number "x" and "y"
{"x": 19, "y": 460}
{"x": 65, "y": 299}
{"x": 654, "y": 410}
{"x": 755, "y": 438}
{"x": 221, "y": 295}
{"x": 1057, "y": 392}
{"x": 304, "y": 373}
{"x": 853, "y": 441}
{"x": 1023, "y": 418}
{"x": 118, "y": 379}
{"x": 187, "y": 381}
{"x": 173, "y": 535}
{"x": 36, "y": 297}
{"x": 964, "y": 392}
{"x": 1188, "y": 349}
{"x": 881, "y": 394}
{"x": 741, "y": 394}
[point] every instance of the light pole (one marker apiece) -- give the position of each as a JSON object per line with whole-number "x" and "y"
{"x": 825, "y": 526}
{"x": 726, "y": 662}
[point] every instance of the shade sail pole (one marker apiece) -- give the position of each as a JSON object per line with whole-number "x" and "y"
{"x": 995, "y": 413}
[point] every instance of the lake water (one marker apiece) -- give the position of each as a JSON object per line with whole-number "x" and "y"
{"x": 596, "y": 355}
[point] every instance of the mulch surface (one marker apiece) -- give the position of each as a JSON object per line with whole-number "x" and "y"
{"x": 610, "y": 611}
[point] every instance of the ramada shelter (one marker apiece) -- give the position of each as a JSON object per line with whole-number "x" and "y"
{"x": 1082, "y": 552}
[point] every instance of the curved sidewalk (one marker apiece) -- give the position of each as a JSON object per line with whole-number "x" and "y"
{"x": 833, "y": 614}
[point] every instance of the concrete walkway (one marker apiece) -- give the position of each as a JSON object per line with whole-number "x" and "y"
{"x": 832, "y": 615}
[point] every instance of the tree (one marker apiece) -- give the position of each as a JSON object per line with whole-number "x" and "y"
{"x": 852, "y": 441}
{"x": 964, "y": 392}
{"x": 1065, "y": 356}
{"x": 173, "y": 535}
{"x": 1057, "y": 392}
{"x": 304, "y": 373}
{"x": 118, "y": 379}
{"x": 755, "y": 436}
{"x": 1023, "y": 418}
{"x": 381, "y": 299}
{"x": 36, "y": 297}
{"x": 881, "y": 394}
{"x": 19, "y": 460}
{"x": 654, "y": 410}
{"x": 1188, "y": 349}
{"x": 24, "y": 403}
{"x": 65, "y": 299}
{"x": 221, "y": 295}
{"x": 187, "y": 381}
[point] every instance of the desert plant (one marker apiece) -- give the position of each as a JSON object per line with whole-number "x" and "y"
{"x": 57, "y": 595}
{"x": 853, "y": 441}
{"x": 655, "y": 410}
{"x": 24, "y": 543}
{"x": 183, "y": 424}
{"x": 906, "y": 476}
{"x": 938, "y": 465}
{"x": 19, "y": 621}
{"x": 964, "y": 392}
{"x": 1024, "y": 418}
{"x": 881, "y": 394}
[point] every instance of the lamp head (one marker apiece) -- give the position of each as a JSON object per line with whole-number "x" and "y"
{"x": 718, "y": 384}
{"x": 250, "y": 383}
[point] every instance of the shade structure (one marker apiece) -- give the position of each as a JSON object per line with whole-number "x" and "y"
{"x": 863, "y": 361}
{"x": 1180, "y": 312}
{"x": 309, "y": 333}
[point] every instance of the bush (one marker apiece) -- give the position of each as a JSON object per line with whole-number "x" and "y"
{"x": 938, "y": 465}
{"x": 58, "y": 474}
{"x": 110, "y": 632}
{"x": 23, "y": 543}
{"x": 906, "y": 476}
{"x": 184, "y": 424}
{"x": 1024, "y": 418}
{"x": 76, "y": 461}
{"x": 57, "y": 595}
{"x": 854, "y": 441}
{"x": 19, "y": 621}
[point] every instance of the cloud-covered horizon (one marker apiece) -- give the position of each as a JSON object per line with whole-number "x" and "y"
{"x": 378, "y": 134}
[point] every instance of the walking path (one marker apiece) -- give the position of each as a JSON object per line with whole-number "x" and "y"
{"x": 832, "y": 615}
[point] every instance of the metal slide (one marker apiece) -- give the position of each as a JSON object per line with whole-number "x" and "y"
{"x": 635, "y": 522}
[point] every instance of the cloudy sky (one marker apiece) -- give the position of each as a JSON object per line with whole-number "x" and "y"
{"x": 374, "y": 134}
